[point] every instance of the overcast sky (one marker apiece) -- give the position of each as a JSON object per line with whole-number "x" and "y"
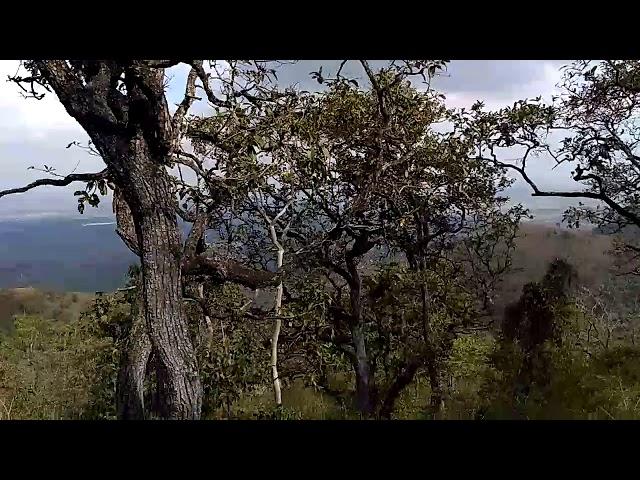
{"x": 37, "y": 132}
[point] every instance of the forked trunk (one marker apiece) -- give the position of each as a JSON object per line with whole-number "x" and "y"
{"x": 153, "y": 207}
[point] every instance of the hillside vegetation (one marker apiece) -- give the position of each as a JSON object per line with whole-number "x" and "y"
{"x": 63, "y": 307}
{"x": 56, "y": 362}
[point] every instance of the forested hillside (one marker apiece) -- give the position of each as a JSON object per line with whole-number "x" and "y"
{"x": 350, "y": 250}
{"x": 59, "y": 359}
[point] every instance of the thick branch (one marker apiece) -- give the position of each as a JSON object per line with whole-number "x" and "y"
{"x": 148, "y": 107}
{"x": 404, "y": 378}
{"x": 197, "y": 66}
{"x": 58, "y": 182}
{"x": 178, "y": 120}
{"x": 80, "y": 101}
{"x": 125, "y": 227}
{"x": 225, "y": 270}
{"x": 196, "y": 234}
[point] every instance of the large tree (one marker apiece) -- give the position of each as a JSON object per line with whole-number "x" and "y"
{"x": 122, "y": 107}
{"x": 356, "y": 172}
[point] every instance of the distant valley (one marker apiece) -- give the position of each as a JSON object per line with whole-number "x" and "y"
{"x": 62, "y": 253}
{"x": 83, "y": 253}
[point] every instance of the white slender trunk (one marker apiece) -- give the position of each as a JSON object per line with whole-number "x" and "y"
{"x": 271, "y": 224}
{"x": 277, "y": 390}
{"x": 207, "y": 319}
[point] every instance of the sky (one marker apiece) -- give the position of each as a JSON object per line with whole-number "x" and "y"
{"x": 36, "y": 133}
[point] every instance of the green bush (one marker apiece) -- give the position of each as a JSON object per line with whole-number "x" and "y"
{"x": 582, "y": 380}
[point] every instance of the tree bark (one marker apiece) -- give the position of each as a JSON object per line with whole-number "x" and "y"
{"x": 152, "y": 204}
{"x": 136, "y": 135}
{"x": 133, "y": 367}
{"x": 438, "y": 390}
{"x": 364, "y": 383}
{"x": 277, "y": 389}
{"x": 404, "y": 378}
{"x": 137, "y": 347}
{"x": 363, "y": 375}
{"x": 166, "y": 319}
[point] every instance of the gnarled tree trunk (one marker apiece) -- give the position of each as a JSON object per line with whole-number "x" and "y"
{"x": 152, "y": 205}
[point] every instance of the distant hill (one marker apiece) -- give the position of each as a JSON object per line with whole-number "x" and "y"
{"x": 521, "y": 193}
{"x": 61, "y": 306}
{"x": 82, "y": 253}
{"x": 75, "y": 254}
{"x": 60, "y": 253}
{"x": 49, "y": 202}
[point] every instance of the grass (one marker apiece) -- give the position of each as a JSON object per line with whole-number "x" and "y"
{"x": 57, "y": 306}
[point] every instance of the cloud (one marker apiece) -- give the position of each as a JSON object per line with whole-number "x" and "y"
{"x": 497, "y": 78}
{"x": 27, "y": 118}
{"x": 513, "y": 81}
{"x": 499, "y": 84}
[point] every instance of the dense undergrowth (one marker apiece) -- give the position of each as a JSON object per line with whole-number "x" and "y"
{"x": 55, "y": 371}
{"x": 587, "y": 368}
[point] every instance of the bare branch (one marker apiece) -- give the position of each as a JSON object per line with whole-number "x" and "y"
{"x": 197, "y": 66}
{"x": 125, "y": 227}
{"x": 58, "y": 182}
{"x": 378, "y": 89}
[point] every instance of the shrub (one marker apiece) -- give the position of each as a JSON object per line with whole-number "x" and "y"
{"x": 48, "y": 370}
